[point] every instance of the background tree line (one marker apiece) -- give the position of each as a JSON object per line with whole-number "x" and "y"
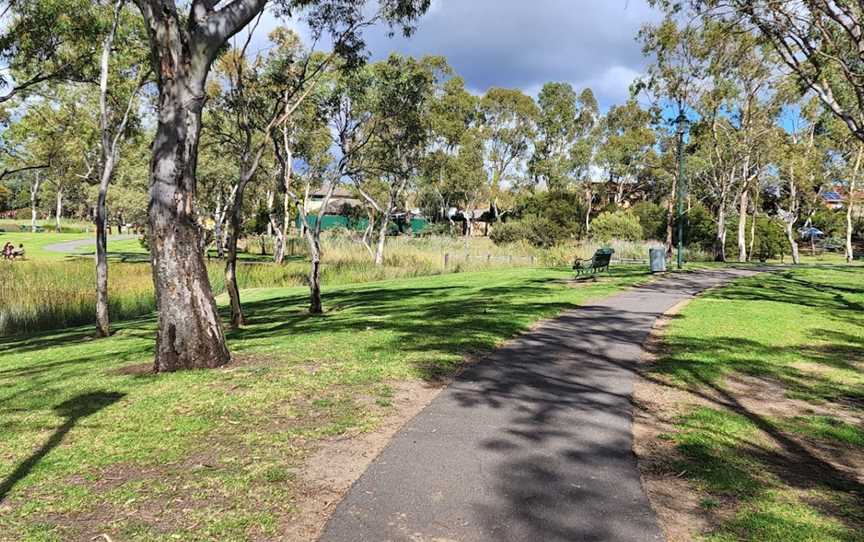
{"x": 160, "y": 115}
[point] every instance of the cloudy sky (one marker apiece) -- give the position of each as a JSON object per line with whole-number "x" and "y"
{"x": 523, "y": 44}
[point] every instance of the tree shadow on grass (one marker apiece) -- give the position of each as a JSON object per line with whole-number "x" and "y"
{"x": 736, "y": 465}
{"x": 72, "y": 410}
{"x": 429, "y": 321}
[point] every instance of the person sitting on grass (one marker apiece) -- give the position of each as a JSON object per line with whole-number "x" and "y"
{"x": 7, "y": 250}
{"x": 18, "y": 252}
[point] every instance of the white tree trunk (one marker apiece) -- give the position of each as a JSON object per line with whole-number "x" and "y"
{"x": 59, "y": 210}
{"x": 742, "y": 224}
{"x": 34, "y": 198}
{"x": 850, "y": 203}
{"x": 720, "y": 241}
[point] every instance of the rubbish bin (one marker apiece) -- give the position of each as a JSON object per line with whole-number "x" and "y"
{"x": 657, "y": 259}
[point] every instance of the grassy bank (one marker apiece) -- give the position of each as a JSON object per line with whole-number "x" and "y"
{"x": 91, "y": 446}
{"x": 758, "y": 395}
{"x": 53, "y": 290}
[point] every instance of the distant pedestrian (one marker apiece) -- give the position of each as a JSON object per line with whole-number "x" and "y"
{"x": 17, "y": 252}
{"x": 7, "y": 250}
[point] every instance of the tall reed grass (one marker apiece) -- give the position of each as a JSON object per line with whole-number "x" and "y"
{"x": 40, "y": 295}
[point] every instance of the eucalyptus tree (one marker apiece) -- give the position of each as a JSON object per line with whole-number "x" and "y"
{"x": 58, "y": 133}
{"x": 562, "y": 148}
{"x": 185, "y": 38}
{"x": 118, "y": 90}
{"x": 507, "y": 124}
{"x": 46, "y": 40}
{"x": 798, "y": 160}
{"x": 333, "y": 120}
{"x": 676, "y": 76}
{"x": 447, "y": 179}
{"x": 626, "y": 147}
{"x": 819, "y": 42}
{"x": 242, "y": 111}
{"x": 398, "y": 130}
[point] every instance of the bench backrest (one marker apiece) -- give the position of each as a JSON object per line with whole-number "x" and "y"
{"x": 602, "y": 257}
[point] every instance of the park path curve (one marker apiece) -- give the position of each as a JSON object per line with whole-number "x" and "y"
{"x": 70, "y": 247}
{"x": 533, "y": 443}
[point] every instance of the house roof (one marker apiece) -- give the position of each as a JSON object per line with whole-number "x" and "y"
{"x": 832, "y": 196}
{"x": 338, "y": 192}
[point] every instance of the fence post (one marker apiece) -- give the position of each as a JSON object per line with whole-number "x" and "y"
{"x": 488, "y": 258}
{"x": 510, "y": 259}
{"x": 532, "y": 260}
{"x": 446, "y": 259}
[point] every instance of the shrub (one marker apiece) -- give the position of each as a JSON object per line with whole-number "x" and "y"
{"x": 652, "y": 217}
{"x": 770, "y": 239}
{"x": 620, "y": 225}
{"x": 563, "y": 210}
{"x": 536, "y": 231}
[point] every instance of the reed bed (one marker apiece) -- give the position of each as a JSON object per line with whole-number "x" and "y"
{"x": 43, "y": 295}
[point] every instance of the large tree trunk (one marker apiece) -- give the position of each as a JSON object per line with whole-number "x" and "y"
{"x": 742, "y": 224}
{"x": 850, "y": 202}
{"x": 59, "y": 211}
{"x": 189, "y": 332}
{"x": 34, "y": 199}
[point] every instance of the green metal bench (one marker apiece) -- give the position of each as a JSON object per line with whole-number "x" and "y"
{"x": 597, "y": 263}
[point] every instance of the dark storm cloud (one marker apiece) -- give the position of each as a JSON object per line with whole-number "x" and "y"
{"x": 523, "y": 44}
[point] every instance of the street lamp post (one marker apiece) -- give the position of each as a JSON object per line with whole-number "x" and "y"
{"x": 681, "y": 129}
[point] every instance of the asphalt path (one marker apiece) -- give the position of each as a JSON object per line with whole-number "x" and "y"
{"x": 71, "y": 247}
{"x": 533, "y": 443}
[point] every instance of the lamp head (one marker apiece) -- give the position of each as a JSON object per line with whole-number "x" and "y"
{"x": 681, "y": 124}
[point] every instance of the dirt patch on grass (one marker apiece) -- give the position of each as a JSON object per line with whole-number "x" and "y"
{"x": 331, "y": 470}
{"x": 801, "y": 463}
{"x": 138, "y": 369}
{"x": 298, "y": 488}
{"x": 675, "y": 501}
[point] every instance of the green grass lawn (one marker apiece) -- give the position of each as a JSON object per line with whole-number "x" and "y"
{"x": 35, "y": 243}
{"x": 772, "y": 438}
{"x": 90, "y": 447}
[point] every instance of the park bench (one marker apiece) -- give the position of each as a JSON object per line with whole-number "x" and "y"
{"x": 599, "y": 262}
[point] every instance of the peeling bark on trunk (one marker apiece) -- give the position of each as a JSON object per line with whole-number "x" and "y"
{"x": 720, "y": 240}
{"x": 382, "y": 237}
{"x": 34, "y": 199}
{"x": 189, "y": 334}
{"x": 102, "y": 321}
{"x": 59, "y": 211}
{"x": 218, "y": 219}
{"x": 755, "y": 215}
{"x": 850, "y": 252}
{"x": 742, "y": 224}
{"x": 237, "y": 317}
